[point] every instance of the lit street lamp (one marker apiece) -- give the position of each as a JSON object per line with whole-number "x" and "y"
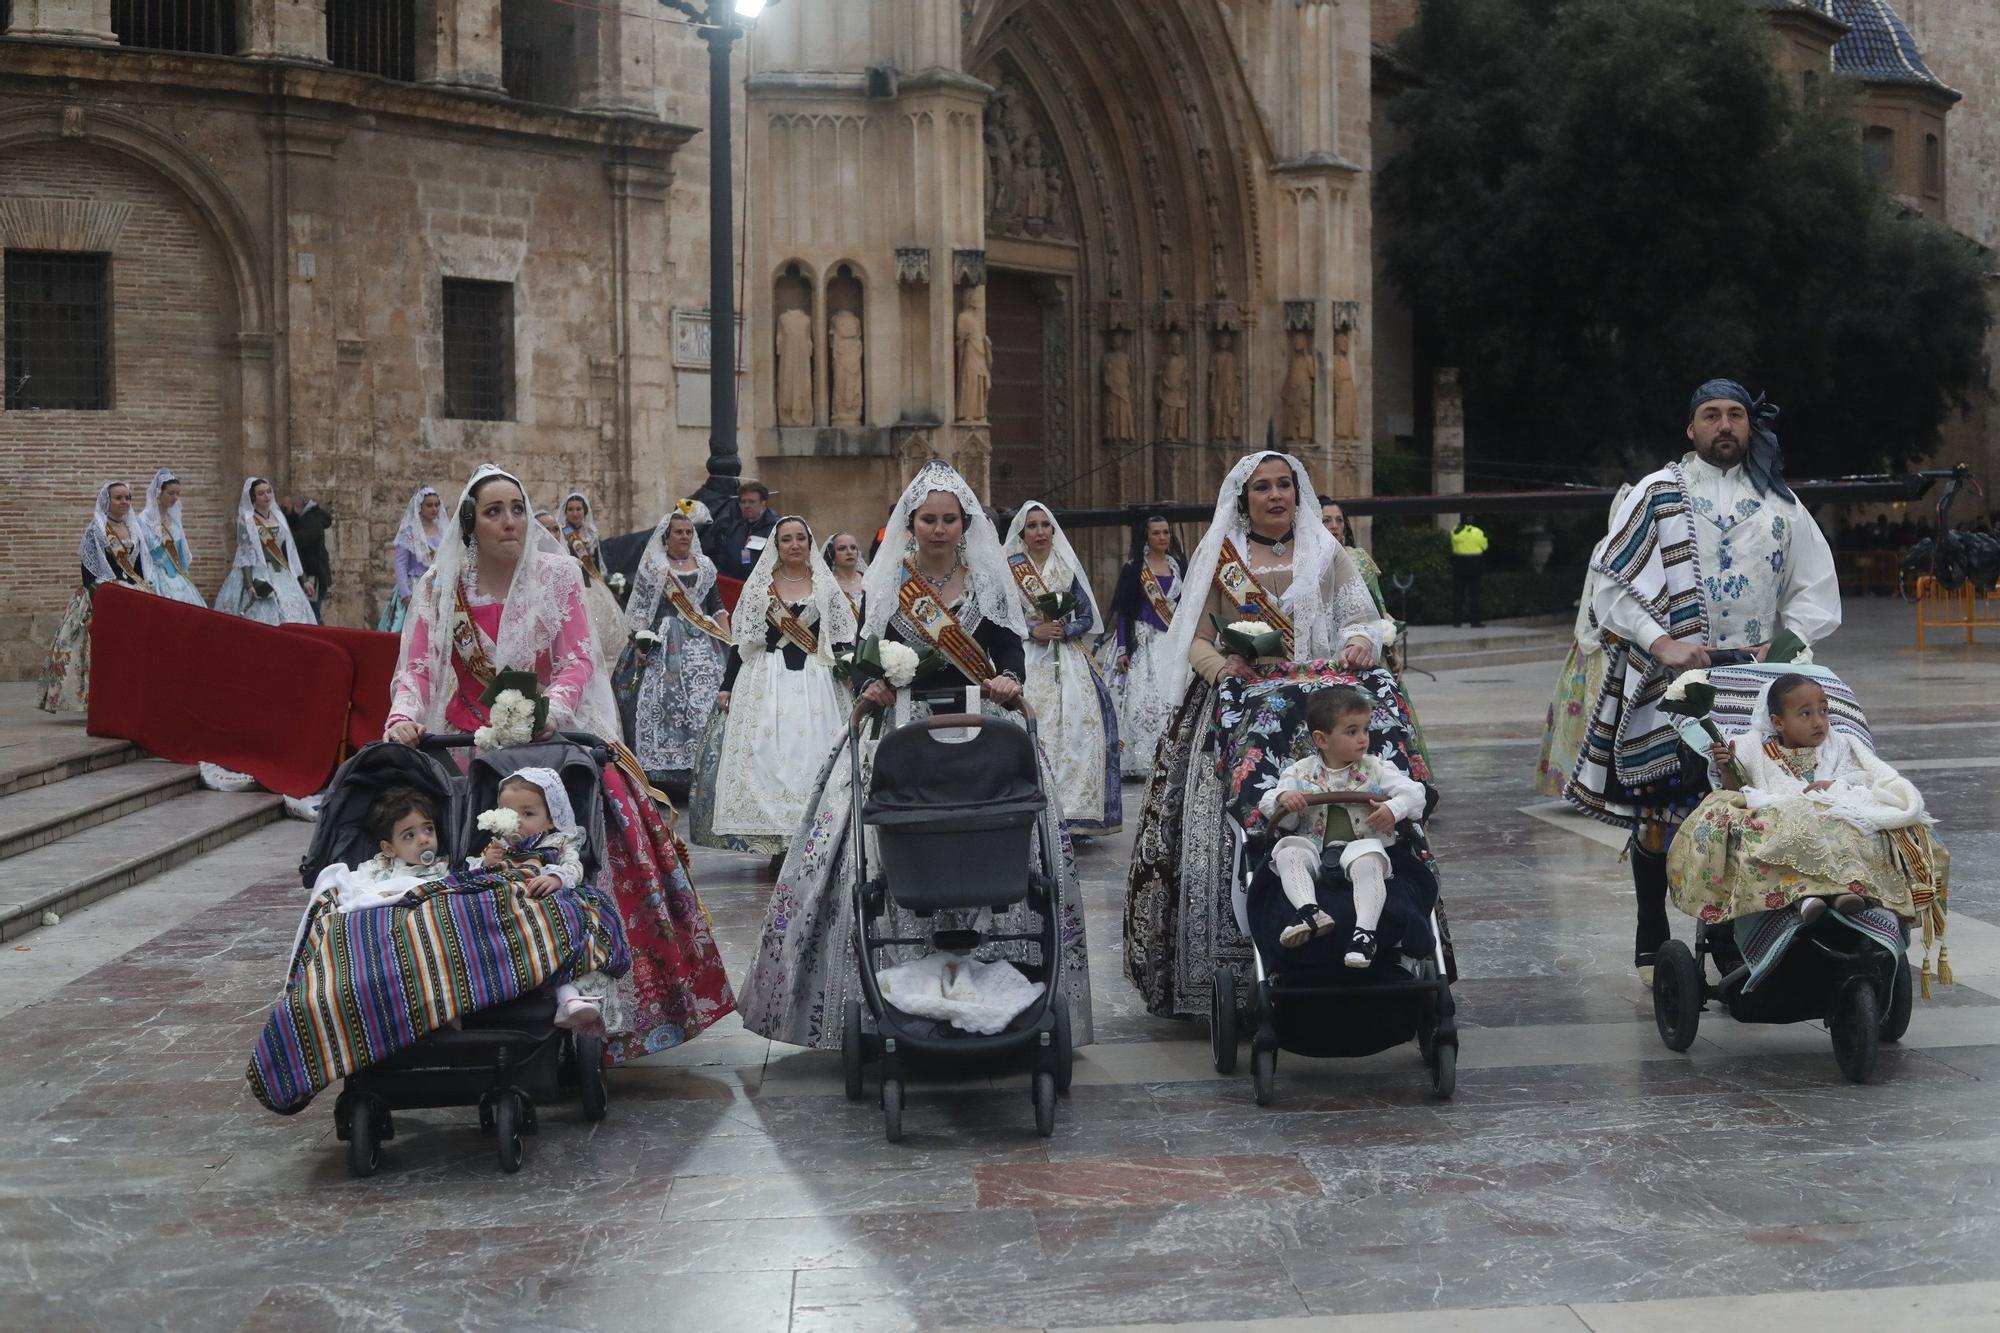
{"x": 721, "y": 23}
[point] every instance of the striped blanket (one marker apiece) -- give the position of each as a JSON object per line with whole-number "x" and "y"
{"x": 364, "y": 985}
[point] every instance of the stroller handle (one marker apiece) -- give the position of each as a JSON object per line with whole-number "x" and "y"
{"x": 461, "y": 740}
{"x": 942, "y": 721}
{"x": 1341, "y": 798}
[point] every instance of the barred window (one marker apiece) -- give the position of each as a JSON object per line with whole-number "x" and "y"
{"x": 478, "y": 350}
{"x": 58, "y": 331}
{"x": 207, "y": 27}
{"x": 373, "y": 37}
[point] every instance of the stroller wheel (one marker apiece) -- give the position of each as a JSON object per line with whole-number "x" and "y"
{"x": 590, "y": 1085}
{"x": 1857, "y": 1027}
{"x": 1427, "y": 1021}
{"x": 892, "y": 1109}
{"x": 1897, "y": 1020}
{"x": 850, "y": 1050}
{"x": 364, "y": 1149}
{"x": 1264, "y": 1073}
{"x": 507, "y": 1131}
{"x": 1222, "y": 1021}
{"x": 1045, "y": 1103}
{"x": 1444, "y": 1070}
{"x": 1065, "y": 1052}
{"x": 1677, "y": 995}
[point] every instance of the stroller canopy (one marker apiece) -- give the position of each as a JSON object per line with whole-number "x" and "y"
{"x": 920, "y": 779}
{"x": 341, "y": 836}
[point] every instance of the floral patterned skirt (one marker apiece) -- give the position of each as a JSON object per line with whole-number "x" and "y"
{"x": 1729, "y": 861}
{"x": 66, "y": 674}
{"x": 701, "y": 798}
{"x": 1568, "y": 720}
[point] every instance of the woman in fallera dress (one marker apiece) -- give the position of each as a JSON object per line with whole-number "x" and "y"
{"x": 668, "y": 677}
{"x": 1149, "y": 592}
{"x": 1073, "y": 707}
{"x": 263, "y": 583}
{"x": 939, "y": 585}
{"x": 843, "y": 557}
{"x": 169, "y": 562}
{"x": 579, "y": 534}
{"x": 413, "y": 552}
{"x": 110, "y": 552}
{"x": 783, "y": 702}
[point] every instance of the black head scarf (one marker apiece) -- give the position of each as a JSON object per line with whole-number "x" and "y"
{"x": 1763, "y": 461}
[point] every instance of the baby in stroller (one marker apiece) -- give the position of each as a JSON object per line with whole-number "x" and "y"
{"x": 1338, "y": 719}
{"x": 544, "y": 838}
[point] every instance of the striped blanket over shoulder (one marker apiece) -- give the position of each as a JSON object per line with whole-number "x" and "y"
{"x": 1630, "y": 742}
{"x": 364, "y": 985}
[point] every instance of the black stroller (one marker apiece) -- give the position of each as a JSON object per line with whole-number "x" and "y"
{"x": 961, "y": 825}
{"x": 1838, "y": 970}
{"x": 504, "y": 1057}
{"x": 1305, "y": 1000}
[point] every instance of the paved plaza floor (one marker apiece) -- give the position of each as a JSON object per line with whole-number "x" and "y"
{"x": 1584, "y": 1177}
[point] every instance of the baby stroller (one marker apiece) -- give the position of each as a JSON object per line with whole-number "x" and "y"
{"x": 961, "y": 825}
{"x": 1305, "y": 1000}
{"x": 505, "y": 1056}
{"x": 1851, "y": 971}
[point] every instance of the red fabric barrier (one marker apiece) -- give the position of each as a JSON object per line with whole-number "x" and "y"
{"x": 374, "y": 655}
{"x": 729, "y": 590}
{"x": 188, "y": 684}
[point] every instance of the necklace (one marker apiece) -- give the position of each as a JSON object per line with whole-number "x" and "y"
{"x": 939, "y": 580}
{"x": 1278, "y": 545}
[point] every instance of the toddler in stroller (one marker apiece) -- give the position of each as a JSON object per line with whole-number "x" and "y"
{"x": 544, "y": 839}
{"x": 1803, "y": 871}
{"x": 372, "y": 994}
{"x": 1304, "y": 996}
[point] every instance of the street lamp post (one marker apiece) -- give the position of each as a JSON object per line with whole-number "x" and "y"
{"x": 720, "y": 23}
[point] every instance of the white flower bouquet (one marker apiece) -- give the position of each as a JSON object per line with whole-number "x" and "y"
{"x": 502, "y": 823}
{"x": 899, "y": 662}
{"x": 646, "y": 640}
{"x": 1248, "y": 639}
{"x": 1691, "y": 696}
{"x": 517, "y": 711}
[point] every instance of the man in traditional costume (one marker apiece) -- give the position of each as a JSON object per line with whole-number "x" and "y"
{"x": 1713, "y": 552}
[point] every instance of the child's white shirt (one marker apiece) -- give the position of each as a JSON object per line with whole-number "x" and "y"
{"x": 1866, "y": 792}
{"x": 1399, "y": 791}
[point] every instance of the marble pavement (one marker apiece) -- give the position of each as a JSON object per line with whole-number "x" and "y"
{"x": 1584, "y": 1177}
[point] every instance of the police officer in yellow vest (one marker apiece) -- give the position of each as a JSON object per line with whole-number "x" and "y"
{"x": 1468, "y": 560}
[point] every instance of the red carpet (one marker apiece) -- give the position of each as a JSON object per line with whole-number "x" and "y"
{"x": 374, "y": 656}
{"x": 188, "y": 684}
{"x": 729, "y": 590}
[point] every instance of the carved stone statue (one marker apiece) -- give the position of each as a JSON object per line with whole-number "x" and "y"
{"x": 1346, "y": 405}
{"x": 1295, "y": 399}
{"x": 1024, "y": 188}
{"x": 1225, "y": 390}
{"x": 795, "y": 368}
{"x": 1173, "y": 391}
{"x": 843, "y": 350}
{"x": 975, "y": 357}
{"x": 1120, "y": 422}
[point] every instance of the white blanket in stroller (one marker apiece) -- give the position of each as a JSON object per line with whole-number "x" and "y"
{"x": 981, "y": 998}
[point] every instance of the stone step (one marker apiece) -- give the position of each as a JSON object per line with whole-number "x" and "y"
{"x": 56, "y": 810}
{"x": 56, "y": 754}
{"x": 1552, "y": 652}
{"x": 115, "y": 855}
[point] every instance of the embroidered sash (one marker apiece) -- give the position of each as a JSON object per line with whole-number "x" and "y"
{"x": 1031, "y": 584}
{"x": 274, "y": 547}
{"x": 926, "y": 611}
{"x": 469, "y": 645}
{"x": 790, "y": 625}
{"x": 1156, "y": 596}
{"x": 1233, "y": 576}
{"x": 169, "y": 548}
{"x": 677, "y": 594}
{"x": 121, "y": 555}
{"x": 579, "y": 548}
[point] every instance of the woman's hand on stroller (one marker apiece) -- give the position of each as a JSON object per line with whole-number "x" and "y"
{"x": 1003, "y": 690}
{"x": 1292, "y": 802}
{"x": 1380, "y": 817}
{"x": 403, "y": 732}
{"x": 879, "y": 694}
{"x": 1357, "y": 655}
{"x": 541, "y": 886}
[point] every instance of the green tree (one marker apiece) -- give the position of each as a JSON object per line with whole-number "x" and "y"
{"x": 1600, "y": 203}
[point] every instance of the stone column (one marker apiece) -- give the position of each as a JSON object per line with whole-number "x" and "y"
{"x": 460, "y": 46}
{"x": 282, "y": 29}
{"x": 1447, "y": 439}
{"x": 64, "y": 20}
{"x": 615, "y": 57}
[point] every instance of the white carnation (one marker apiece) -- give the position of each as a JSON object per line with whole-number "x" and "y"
{"x": 501, "y": 823}
{"x": 1249, "y": 629}
{"x": 1805, "y": 658}
{"x": 484, "y": 739}
{"x": 1679, "y": 689}
{"x": 1388, "y": 630}
{"x": 899, "y": 663}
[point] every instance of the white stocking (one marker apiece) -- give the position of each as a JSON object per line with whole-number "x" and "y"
{"x": 1298, "y": 862}
{"x": 1369, "y": 875}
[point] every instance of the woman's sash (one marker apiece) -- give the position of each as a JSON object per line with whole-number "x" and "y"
{"x": 791, "y": 626}
{"x": 677, "y": 594}
{"x": 928, "y": 614}
{"x": 1156, "y": 596}
{"x": 274, "y": 546}
{"x": 121, "y": 556}
{"x": 580, "y": 548}
{"x": 1031, "y": 584}
{"x": 468, "y": 644}
{"x": 1247, "y": 595}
